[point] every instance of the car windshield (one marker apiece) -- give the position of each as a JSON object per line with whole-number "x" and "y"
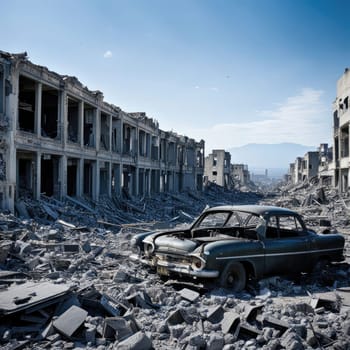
{"x": 229, "y": 219}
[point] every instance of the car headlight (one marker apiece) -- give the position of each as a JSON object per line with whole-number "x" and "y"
{"x": 197, "y": 263}
{"x": 135, "y": 248}
{"x": 148, "y": 248}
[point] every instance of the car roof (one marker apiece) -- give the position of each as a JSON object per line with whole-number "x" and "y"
{"x": 254, "y": 209}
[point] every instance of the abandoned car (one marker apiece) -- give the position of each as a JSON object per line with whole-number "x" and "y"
{"x": 234, "y": 243}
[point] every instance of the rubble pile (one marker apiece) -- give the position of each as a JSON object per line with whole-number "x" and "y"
{"x": 163, "y": 207}
{"x": 66, "y": 282}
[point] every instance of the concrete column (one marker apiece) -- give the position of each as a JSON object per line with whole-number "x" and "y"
{"x": 81, "y": 123}
{"x": 37, "y": 175}
{"x": 96, "y": 180}
{"x": 109, "y": 187}
{"x": 136, "y": 179}
{"x": 110, "y": 121}
{"x": 63, "y": 118}
{"x": 63, "y": 176}
{"x": 38, "y": 95}
{"x": 97, "y": 129}
{"x": 80, "y": 177}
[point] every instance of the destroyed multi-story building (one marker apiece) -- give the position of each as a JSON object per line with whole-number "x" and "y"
{"x": 304, "y": 168}
{"x": 326, "y": 164}
{"x": 217, "y": 167}
{"x": 341, "y": 127}
{"x": 240, "y": 174}
{"x": 60, "y": 139}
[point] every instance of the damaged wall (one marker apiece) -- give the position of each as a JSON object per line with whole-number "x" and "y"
{"x": 67, "y": 141}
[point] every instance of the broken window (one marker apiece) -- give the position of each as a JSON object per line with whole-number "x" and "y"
{"x": 72, "y": 176}
{"x": 49, "y": 112}
{"x": 127, "y": 139}
{"x": 50, "y": 185}
{"x": 215, "y": 173}
{"x": 344, "y": 134}
{"x": 25, "y": 173}
{"x": 26, "y": 104}
{"x": 215, "y": 160}
{"x": 73, "y": 120}
{"x": 142, "y": 143}
{"x": 89, "y": 125}
{"x": 104, "y": 175}
{"x": 155, "y": 147}
{"x": 88, "y": 179}
{"x": 346, "y": 102}
{"x": 104, "y": 144}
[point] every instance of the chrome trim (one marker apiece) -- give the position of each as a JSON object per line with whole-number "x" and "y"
{"x": 187, "y": 270}
{"x": 278, "y": 254}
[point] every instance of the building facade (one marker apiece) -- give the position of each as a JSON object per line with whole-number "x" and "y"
{"x": 59, "y": 138}
{"x": 341, "y": 127}
{"x": 240, "y": 174}
{"x": 217, "y": 168}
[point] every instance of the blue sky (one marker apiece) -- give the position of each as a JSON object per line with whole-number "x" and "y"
{"x": 230, "y": 72}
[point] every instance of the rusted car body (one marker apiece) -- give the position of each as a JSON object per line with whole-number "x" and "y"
{"x": 232, "y": 243}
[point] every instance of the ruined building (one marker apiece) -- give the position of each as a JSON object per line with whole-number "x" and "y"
{"x": 341, "y": 126}
{"x": 240, "y": 174}
{"x": 217, "y": 167}
{"x": 58, "y": 138}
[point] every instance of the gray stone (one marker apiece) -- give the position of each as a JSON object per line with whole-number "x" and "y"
{"x": 291, "y": 340}
{"x": 176, "y": 331}
{"x": 215, "y": 342}
{"x": 70, "y": 320}
{"x": 215, "y": 314}
{"x": 176, "y": 317}
{"x": 197, "y": 340}
{"x": 189, "y": 295}
{"x": 230, "y": 322}
{"x": 138, "y": 341}
{"x": 116, "y": 327}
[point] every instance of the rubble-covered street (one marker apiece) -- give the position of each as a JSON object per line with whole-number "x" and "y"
{"x": 67, "y": 282}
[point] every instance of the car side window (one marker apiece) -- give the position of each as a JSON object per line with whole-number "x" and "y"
{"x": 272, "y": 227}
{"x": 289, "y": 226}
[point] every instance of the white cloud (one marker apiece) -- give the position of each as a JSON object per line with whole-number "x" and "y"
{"x": 304, "y": 118}
{"x": 108, "y": 54}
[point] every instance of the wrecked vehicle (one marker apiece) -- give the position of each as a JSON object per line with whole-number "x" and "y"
{"x": 235, "y": 243}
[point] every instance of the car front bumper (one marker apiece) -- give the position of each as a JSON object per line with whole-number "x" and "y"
{"x": 165, "y": 268}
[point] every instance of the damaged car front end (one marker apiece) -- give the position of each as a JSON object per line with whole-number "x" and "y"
{"x": 173, "y": 252}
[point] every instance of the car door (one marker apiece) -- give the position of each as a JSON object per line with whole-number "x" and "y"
{"x": 286, "y": 245}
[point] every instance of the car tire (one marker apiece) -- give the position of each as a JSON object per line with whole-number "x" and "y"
{"x": 233, "y": 277}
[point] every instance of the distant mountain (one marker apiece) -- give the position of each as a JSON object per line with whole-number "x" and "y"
{"x": 274, "y": 157}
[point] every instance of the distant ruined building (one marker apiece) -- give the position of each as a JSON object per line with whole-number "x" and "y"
{"x": 219, "y": 170}
{"x": 332, "y": 163}
{"x": 58, "y": 138}
{"x": 341, "y": 127}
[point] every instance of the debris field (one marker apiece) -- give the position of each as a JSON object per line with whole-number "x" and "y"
{"x": 66, "y": 281}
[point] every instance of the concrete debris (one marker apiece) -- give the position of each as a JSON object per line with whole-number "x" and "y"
{"x": 66, "y": 280}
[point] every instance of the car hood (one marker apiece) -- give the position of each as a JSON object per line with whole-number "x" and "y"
{"x": 182, "y": 245}
{"x": 174, "y": 244}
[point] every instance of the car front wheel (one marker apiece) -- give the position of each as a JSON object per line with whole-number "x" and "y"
{"x": 233, "y": 277}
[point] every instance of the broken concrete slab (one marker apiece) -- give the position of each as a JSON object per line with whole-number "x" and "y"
{"x": 189, "y": 295}
{"x": 117, "y": 328}
{"x": 30, "y": 294}
{"x": 68, "y": 322}
{"x": 138, "y": 341}
{"x": 230, "y": 322}
{"x": 215, "y": 314}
